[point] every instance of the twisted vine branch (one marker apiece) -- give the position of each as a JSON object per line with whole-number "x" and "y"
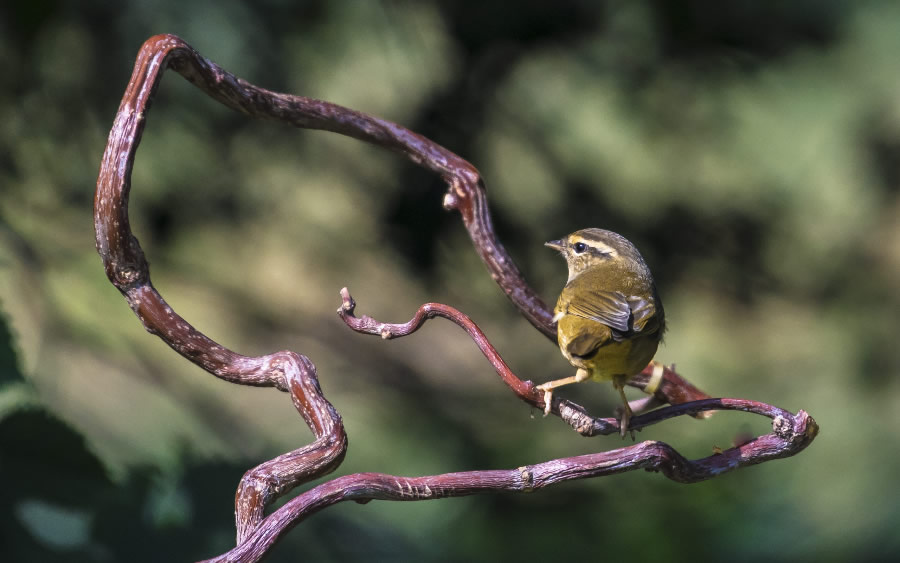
{"x": 128, "y": 270}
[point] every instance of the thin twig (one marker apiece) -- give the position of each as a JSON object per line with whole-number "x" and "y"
{"x": 573, "y": 414}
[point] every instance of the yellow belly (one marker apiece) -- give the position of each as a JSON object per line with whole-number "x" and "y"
{"x": 626, "y": 358}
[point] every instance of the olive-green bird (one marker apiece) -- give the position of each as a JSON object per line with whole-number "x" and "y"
{"x": 609, "y": 317}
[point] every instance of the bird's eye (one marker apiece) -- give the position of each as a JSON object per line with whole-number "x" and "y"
{"x": 579, "y": 247}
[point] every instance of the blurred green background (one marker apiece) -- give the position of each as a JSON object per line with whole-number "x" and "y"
{"x": 751, "y": 149}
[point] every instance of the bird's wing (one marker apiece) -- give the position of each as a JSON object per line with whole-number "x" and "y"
{"x": 625, "y": 315}
{"x": 644, "y": 314}
{"x": 607, "y": 307}
{"x": 586, "y": 344}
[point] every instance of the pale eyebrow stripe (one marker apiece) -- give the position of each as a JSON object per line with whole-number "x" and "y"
{"x": 596, "y": 245}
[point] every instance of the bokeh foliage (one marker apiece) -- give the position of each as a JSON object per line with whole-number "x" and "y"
{"x": 751, "y": 149}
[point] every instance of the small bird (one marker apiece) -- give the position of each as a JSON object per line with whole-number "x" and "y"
{"x": 609, "y": 317}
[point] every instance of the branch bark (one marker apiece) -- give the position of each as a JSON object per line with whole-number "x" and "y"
{"x": 790, "y": 435}
{"x": 128, "y": 270}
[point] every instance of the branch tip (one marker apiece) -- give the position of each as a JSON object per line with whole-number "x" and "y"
{"x": 347, "y": 302}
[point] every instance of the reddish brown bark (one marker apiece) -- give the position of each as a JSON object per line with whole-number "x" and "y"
{"x": 287, "y": 371}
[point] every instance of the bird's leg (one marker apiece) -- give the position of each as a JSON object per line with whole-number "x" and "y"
{"x": 619, "y": 384}
{"x": 548, "y": 387}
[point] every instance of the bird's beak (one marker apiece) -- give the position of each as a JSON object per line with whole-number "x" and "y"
{"x": 556, "y": 244}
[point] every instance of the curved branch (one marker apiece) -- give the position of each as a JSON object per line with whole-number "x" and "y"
{"x": 466, "y": 191}
{"x": 791, "y": 434}
{"x": 127, "y": 269}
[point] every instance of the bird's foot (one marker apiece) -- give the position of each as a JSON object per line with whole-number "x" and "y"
{"x": 619, "y": 383}
{"x": 623, "y": 424}
{"x": 548, "y": 387}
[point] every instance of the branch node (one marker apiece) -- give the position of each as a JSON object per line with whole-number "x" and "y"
{"x": 782, "y": 427}
{"x": 450, "y": 201}
{"x": 527, "y": 479}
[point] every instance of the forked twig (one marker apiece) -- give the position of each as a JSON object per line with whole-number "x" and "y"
{"x": 128, "y": 271}
{"x": 573, "y": 414}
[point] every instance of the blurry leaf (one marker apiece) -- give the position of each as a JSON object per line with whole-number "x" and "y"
{"x": 55, "y": 525}
{"x": 9, "y": 362}
{"x": 52, "y": 482}
{"x": 48, "y": 459}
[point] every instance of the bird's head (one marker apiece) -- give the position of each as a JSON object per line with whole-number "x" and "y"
{"x": 600, "y": 250}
